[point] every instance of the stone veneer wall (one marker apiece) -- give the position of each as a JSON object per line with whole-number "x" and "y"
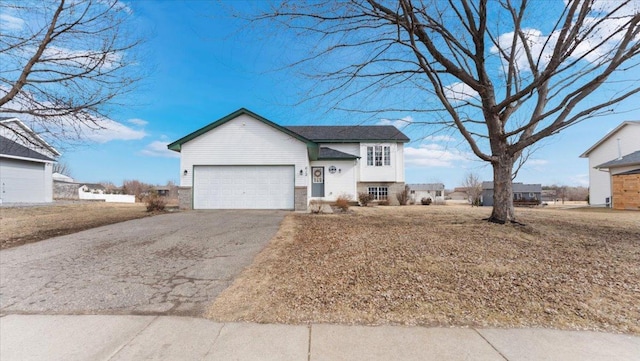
{"x": 65, "y": 190}
{"x": 300, "y": 198}
{"x": 184, "y": 198}
{"x": 393, "y": 189}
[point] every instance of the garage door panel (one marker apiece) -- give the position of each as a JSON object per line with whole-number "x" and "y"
{"x": 243, "y": 187}
{"x": 21, "y": 181}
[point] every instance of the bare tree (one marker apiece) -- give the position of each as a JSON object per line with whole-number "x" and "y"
{"x": 504, "y": 74}
{"x": 65, "y": 63}
{"x": 473, "y": 184}
{"x": 62, "y": 167}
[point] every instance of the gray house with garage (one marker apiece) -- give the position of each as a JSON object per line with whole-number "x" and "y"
{"x": 26, "y": 164}
{"x": 245, "y": 161}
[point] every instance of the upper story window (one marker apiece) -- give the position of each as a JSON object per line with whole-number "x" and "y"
{"x": 378, "y": 155}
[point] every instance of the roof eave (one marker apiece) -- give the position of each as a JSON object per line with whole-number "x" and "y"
{"x": 607, "y": 136}
{"x": 177, "y": 145}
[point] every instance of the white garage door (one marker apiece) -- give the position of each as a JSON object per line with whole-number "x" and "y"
{"x": 243, "y": 187}
{"x": 21, "y": 181}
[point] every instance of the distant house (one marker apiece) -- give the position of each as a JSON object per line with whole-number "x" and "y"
{"x": 433, "y": 191}
{"x": 26, "y": 164}
{"x": 625, "y": 180}
{"x": 522, "y": 193}
{"x": 611, "y": 155}
{"x": 459, "y": 194}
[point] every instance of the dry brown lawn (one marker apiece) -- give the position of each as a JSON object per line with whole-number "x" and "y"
{"x": 20, "y": 225}
{"x": 445, "y": 266}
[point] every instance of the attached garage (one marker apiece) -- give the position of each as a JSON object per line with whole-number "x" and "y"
{"x": 243, "y": 187}
{"x": 626, "y": 190}
{"x": 22, "y": 181}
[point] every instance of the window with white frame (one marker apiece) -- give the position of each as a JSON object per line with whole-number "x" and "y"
{"x": 378, "y": 155}
{"x": 438, "y": 193}
{"x": 379, "y": 193}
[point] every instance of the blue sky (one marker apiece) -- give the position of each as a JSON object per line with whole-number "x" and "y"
{"x": 203, "y": 64}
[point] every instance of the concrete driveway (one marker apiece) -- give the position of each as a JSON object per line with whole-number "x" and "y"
{"x": 173, "y": 264}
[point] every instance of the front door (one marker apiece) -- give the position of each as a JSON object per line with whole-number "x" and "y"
{"x": 317, "y": 181}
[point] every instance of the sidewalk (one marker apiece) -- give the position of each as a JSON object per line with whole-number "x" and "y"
{"x": 45, "y": 337}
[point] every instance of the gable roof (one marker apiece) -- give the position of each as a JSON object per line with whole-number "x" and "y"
{"x": 518, "y": 187}
{"x": 346, "y": 133}
{"x": 177, "y": 145}
{"x": 4, "y": 122}
{"x": 426, "y": 187}
{"x": 627, "y": 160}
{"x": 309, "y": 134}
{"x": 332, "y": 154}
{"x": 607, "y": 136}
{"x": 11, "y": 149}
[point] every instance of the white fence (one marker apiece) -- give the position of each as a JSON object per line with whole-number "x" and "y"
{"x": 110, "y": 198}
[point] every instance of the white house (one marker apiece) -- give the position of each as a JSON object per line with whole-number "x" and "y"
{"x": 245, "y": 161}
{"x": 433, "y": 191}
{"x": 26, "y": 164}
{"x": 618, "y": 143}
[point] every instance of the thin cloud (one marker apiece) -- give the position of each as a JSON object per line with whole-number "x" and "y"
{"x": 440, "y": 138}
{"x": 433, "y": 155}
{"x": 159, "y": 149}
{"x": 459, "y": 91}
{"x": 580, "y": 179}
{"x": 398, "y": 123}
{"x": 8, "y": 22}
{"x": 110, "y": 130}
{"x": 137, "y": 121}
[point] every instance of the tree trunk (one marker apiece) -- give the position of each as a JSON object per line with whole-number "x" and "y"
{"x": 502, "y": 191}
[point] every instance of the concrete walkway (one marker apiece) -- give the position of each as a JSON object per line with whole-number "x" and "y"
{"x": 50, "y": 337}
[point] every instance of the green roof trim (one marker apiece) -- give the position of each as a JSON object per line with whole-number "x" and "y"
{"x": 177, "y": 145}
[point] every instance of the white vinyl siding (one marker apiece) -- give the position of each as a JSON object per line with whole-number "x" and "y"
{"x": 600, "y": 181}
{"x": 244, "y": 141}
{"x": 380, "y": 167}
{"x": 243, "y": 187}
{"x": 342, "y": 182}
{"x": 24, "y": 181}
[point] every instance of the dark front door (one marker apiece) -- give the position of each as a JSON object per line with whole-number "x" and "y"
{"x": 317, "y": 181}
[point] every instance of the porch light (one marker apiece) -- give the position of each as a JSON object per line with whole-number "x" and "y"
{"x": 185, "y": 172}
{"x": 301, "y": 172}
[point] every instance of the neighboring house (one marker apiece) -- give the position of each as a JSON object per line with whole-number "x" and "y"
{"x": 622, "y": 141}
{"x": 522, "y": 193}
{"x": 624, "y": 174}
{"x": 459, "y": 194}
{"x": 246, "y": 161}
{"x": 64, "y": 189}
{"x": 548, "y": 195}
{"x": 433, "y": 191}
{"x": 26, "y": 164}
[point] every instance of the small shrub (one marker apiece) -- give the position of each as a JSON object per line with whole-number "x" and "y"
{"x": 425, "y": 201}
{"x": 155, "y": 202}
{"x": 383, "y": 202}
{"x": 403, "y": 196}
{"x": 364, "y": 198}
{"x": 342, "y": 202}
{"x": 315, "y": 206}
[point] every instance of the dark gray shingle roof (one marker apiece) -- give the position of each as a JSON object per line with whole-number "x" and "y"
{"x": 518, "y": 187}
{"x": 11, "y": 148}
{"x": 629, "y": 159}
{"x": 328, "y": 153}
{"x": 333, "y": 134}
{"x": 630, "y": 172}
{"x": 427, "y": 187}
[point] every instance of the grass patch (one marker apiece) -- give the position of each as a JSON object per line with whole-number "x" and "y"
{"x": 444, "y": 266}
{"x": 21, "y": 225}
